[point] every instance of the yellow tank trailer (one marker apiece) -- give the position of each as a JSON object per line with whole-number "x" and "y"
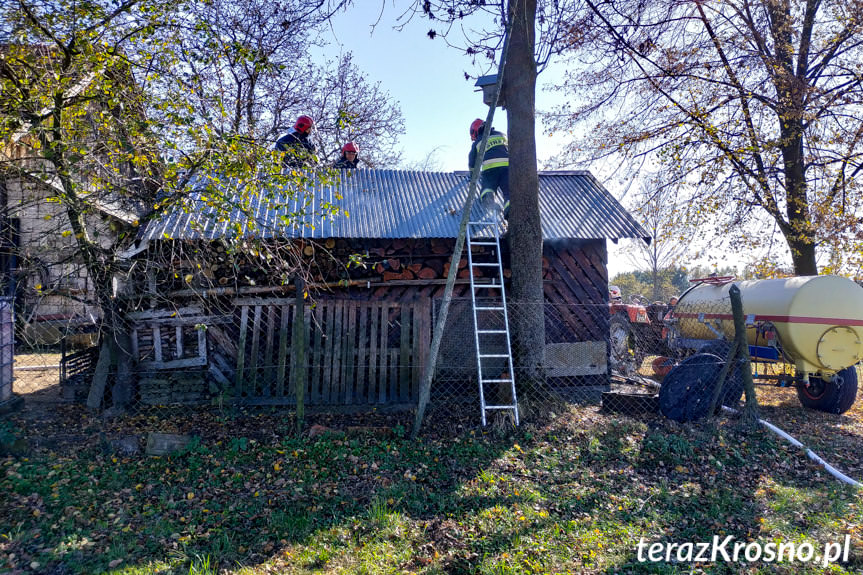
{"x": 813, "y": 322}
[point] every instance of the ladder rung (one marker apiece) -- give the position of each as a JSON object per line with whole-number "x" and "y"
{"x": 491, "y": 285}
{"x": 485, "y": 265}
{"x": 487, "y": 223}
{"x": 500, "y": 406}
{"x": 475, "y": 243}
{"x": 495, "y": 308}
{"x": 494, "y": 355}
{"x": 491, "y": 331}
{"x": 507, "y": 380}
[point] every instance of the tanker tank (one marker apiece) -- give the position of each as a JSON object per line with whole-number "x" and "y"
{"x": 818, "y": 319}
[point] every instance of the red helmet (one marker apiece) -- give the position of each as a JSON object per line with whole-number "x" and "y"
{"x": 350, "y": 147}
{"x": 475, "y": 128}
{"x": 304, "y": 124}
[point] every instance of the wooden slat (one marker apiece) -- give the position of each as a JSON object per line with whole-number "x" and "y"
{"x": 163, "y": 313}
{"x": 327, "y": 357}
{"x": 202, "y": 344}
{"x": 253, "y": 354}
{"x": 338, "y": 343}
{"x": 281, "y": 363}
{"x": 157, "y": 343}
{"x": 241, "y": 349}
{"x": 134, "y": 344}
{"x": 178, "y": 334}
{"x": 362, "y": 381}
{"x": 251, "y": 301}
{"x": 384, "y": 355}
{"x": 174, "y": 363}
{"x": 405, "y": 353}
{"x": 348, "y": 354}
{"x": 269, "y": 359}
{"x": 393, "y": 357}
{"x": 375, "y": 311}
{"x": 317, "y": 351}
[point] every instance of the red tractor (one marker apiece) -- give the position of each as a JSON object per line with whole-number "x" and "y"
{"x": 636, "y": 330}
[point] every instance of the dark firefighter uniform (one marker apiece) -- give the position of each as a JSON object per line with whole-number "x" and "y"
{"x": 495, "y": 167}
{"x": 299, "y": 152}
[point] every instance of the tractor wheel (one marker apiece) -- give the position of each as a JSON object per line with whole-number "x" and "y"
{"x": 687, "y": 390}
{"x": 835, "y": 395}
{"x": 619, "y": 333}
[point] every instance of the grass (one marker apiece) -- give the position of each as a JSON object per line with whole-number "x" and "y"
{"x": 573, "y": 495}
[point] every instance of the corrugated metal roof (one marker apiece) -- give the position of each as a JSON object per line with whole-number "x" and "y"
{"x": 397, "y": 204}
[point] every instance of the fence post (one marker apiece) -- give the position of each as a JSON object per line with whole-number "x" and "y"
{"x": 8, "y": 400}
{"x": 749, "y": 418}
{"x": 298, "y": 352}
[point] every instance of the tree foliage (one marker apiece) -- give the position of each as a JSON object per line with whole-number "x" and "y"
{"x": 751, "y": 105}
{"x": 112, "y": 112}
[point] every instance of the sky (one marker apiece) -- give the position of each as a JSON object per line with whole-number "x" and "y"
{"x": 427, "y": 78}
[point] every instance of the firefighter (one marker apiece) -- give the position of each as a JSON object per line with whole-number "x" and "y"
{"x": 495, "y": 164}
{"x": 298, "y": 150}
{"x": 350, "y": 158}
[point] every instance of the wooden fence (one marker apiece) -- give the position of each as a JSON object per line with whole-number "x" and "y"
{"x": 357, "y": 352}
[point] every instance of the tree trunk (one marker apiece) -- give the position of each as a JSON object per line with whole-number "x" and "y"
{"x": 799, "y": 234}
{"x": 527, "y": 314}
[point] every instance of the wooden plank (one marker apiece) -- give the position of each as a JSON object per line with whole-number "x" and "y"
{"x": 202, "y": 344}
{"x": 241, "y": 350}
{"x": 100, "y": 377}
{"x": 375, "y": 311}
{"x": 317, "y": 350}
{"x": 362, "y": 382}
{"x": 383, "y": 352}
{"x": 275, "y": 301}
{"x": 281, "y": 363}
{"x": 328, "y": 337}
{"x": 405, "y": 353}
{"x": 157, "y": 343}
{"x": 135, "y": 352}
{"x": 338, "y": 336}
{"x": 418, "y": 348}
{"x": 393, "y": 375}
{"x": 174, "y": 363}
{"x": 164, "y": 313}
{"x": 185, "y": 320}
{"x": 348, "y": 354}
{"x": 178, "y": 334}
{"x": 269, "y": 360}
{"x": 218, "y": 376}
{"x": 253, "y": 355}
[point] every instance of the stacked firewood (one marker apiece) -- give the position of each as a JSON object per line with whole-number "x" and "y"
{"x": 328, "y": 262}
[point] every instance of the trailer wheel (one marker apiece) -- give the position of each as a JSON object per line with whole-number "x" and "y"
{"x": 687, "y": 390}
{"x": 836, "y": 395}
{"x": 734, "y": 387}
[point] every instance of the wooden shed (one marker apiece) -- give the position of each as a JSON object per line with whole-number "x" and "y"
{"x": 369, "y": 329}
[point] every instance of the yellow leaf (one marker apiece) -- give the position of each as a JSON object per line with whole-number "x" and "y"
{"x": 190, "y": 495}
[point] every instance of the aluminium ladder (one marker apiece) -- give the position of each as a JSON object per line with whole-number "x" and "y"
{"x": 490, "y": 320}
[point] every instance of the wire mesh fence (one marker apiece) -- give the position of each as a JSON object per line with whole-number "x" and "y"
{"x": 370, "y": 355}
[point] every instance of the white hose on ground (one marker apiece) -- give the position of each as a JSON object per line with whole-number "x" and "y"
{"x": 811, "y": 454}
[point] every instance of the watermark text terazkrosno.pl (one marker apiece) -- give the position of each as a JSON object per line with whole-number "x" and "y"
{"x": 731, "y": 551}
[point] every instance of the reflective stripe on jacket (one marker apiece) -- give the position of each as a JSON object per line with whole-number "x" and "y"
{"x": 496, "y": 152}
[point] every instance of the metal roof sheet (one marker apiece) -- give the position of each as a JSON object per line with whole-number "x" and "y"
{"x": 394, "y": 204}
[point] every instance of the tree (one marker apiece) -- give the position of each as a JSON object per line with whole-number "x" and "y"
{"x": 526, "y": 57}
{"x": 751, "y": 104}
{"x": 657, "y": 211}
{"x": 248, "y": 67}
{"x": 346, "y": 107}
{"x": 97, "y": 123}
